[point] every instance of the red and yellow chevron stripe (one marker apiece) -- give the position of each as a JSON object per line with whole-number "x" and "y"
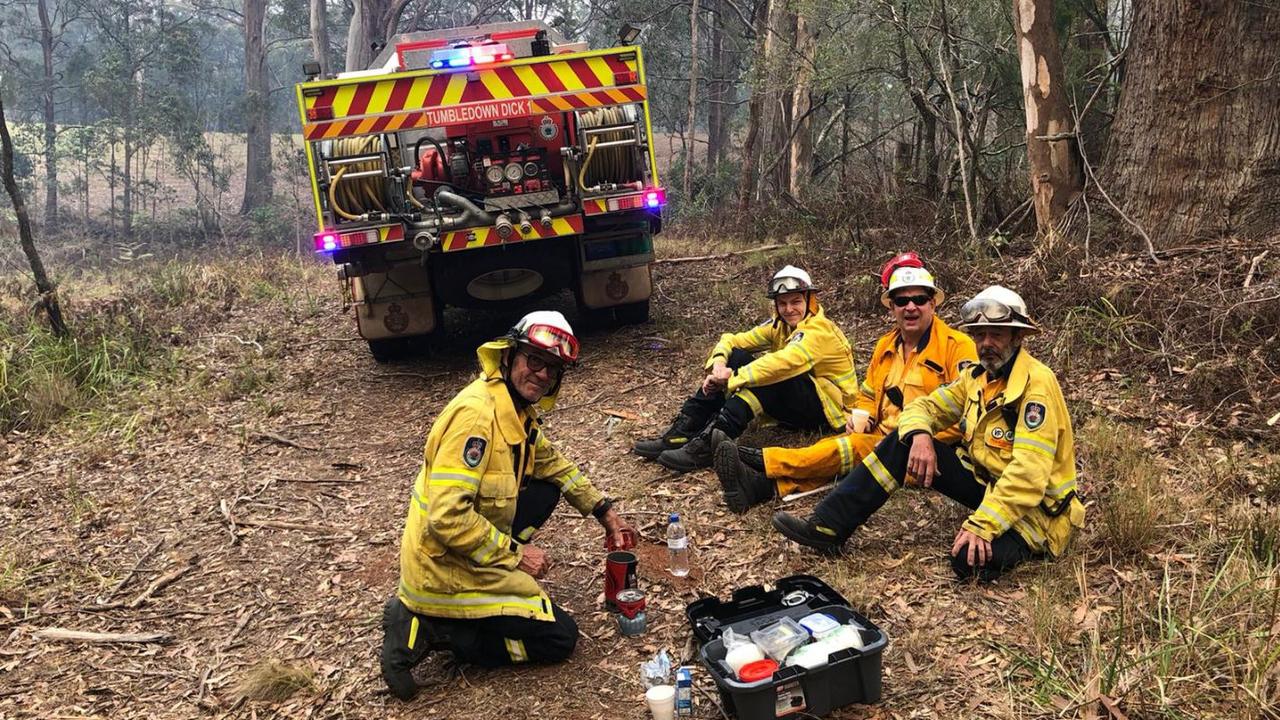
{"x": 361, "y": 106}
{"x": 483, "y": 237}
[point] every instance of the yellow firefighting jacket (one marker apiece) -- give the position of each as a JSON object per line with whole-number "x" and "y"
{"x": 457, "y": 556}
{"x": 1016, "y": 434}
{"x": 946, "y": 353}
{"x": 816, "y": 346}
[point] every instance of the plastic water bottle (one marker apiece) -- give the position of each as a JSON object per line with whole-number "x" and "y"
{"x": 677, "y": 546}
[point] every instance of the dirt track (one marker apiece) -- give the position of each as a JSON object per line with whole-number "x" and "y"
{"x": 276, "y": 514}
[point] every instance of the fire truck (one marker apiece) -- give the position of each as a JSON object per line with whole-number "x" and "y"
{"x": 483, "y": 166}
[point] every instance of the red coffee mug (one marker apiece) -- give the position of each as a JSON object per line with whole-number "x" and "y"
{"x": 619, "y": 574}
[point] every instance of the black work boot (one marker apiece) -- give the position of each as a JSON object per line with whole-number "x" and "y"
{"x": 744, "y": 486}
{"x": 805, "y": 532}
{"x": 682, "y": 429}
{"x": 691, "y": 456}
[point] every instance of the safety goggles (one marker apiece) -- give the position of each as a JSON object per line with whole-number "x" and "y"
{"x": 784, "y": 285}
{"x": 982, "y": 310}
{"x": 905, "y": 300}
{"x": 554, "y": 341}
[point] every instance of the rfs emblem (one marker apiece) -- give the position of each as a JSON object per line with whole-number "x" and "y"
{"x": 396, "y": 320}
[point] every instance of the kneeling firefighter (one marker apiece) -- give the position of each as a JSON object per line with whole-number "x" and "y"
{"x": 490, "y": 478}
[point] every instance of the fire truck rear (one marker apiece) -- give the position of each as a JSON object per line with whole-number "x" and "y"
{"x": 484, "y": 166}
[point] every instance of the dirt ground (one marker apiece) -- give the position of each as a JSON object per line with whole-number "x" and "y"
{"x": 263, "y": 524}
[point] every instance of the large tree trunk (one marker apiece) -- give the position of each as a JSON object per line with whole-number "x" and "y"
{"x": 801, "y": 104}
{"x": 1056, "y": 177}
{"x": 46, "y": 288}
{"x": 50, "y": 127}
{"x": 691, "y": 149}
{"x": 748, "y": 180}
{"x": 368, "y": 26}
{"x": 320, "y": 35}
{"x": 1195, "y": 148}
{"x": 715, "y": 86}
{"x": 257, "y": 178}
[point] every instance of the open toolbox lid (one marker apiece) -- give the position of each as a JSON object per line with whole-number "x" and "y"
{"x": 709, "y": 616}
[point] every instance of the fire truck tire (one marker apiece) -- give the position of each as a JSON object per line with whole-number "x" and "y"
{"x": 388, "y": 350}
{"x": 636, "y": 313}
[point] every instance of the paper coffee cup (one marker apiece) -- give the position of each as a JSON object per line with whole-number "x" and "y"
{"x": 860, "y": 420}
{"x": 662, "y": 701}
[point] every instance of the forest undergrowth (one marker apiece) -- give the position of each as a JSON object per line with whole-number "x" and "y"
{"x": 1166, "y": 605}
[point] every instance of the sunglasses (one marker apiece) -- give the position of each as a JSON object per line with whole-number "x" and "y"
{"x": 537, "y": 363}
{"x": 905, "y": 300}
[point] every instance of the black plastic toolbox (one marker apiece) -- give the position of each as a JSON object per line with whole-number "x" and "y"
{"x": 850, "y": 676}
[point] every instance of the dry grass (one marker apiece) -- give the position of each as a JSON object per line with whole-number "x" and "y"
{"x": 1165, "y": 607}
{"x": 275, "y": 681}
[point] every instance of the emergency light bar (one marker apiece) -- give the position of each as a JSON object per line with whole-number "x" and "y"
{"x": 469, "y": 56}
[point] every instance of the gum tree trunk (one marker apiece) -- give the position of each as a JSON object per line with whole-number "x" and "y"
{"x": 1194, "y": 151}
{"x": 1056, "y": 176}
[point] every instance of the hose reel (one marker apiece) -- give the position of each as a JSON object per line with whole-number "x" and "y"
{"x": 610, "y": 137}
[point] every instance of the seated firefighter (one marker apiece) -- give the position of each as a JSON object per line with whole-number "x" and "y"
{"x": 1014, "y": 467}
{"x": 804, "y": 377}
{"x": 920, "y": 354}
{"x": 489, "y": 479}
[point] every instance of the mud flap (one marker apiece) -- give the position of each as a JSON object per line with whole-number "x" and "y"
{"x": 395, "y": 304}
{"x": 616, "y": 286}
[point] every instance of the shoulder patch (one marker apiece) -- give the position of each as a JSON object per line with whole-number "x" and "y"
{"x": 473, "y": 451}
{"x": 796, "y": 337}
{"x": 960, "y": 366}
{"x": 1033, "y": 415}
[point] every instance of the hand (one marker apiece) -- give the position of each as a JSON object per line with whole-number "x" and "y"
{"x": 923, "y": 461}
{"x": 979, "y": 549}
{"x": 618, "y": 533}
{"x": 710, "y": 386}
{"x": 534, "y": 561}
{"x": 721, "y": 373}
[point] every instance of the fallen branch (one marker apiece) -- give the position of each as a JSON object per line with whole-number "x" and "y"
{"x": 721, "y": 256}
{"x": 163, "y": 581}
{"x": 282, "y": 440}
{"x": 1253, "y": 267}
{"x": 321, "y": 481}
{"x": 602, "y": 393}
{"x": 283, "y": 525}
{"x": 64, "y": 635}
{"x": 102, "y": 600}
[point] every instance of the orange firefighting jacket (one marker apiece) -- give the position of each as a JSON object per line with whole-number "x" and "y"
{"x": 946, "y": 353}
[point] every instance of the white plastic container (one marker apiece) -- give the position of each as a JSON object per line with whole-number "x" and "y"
{"x": 677, "y": 547}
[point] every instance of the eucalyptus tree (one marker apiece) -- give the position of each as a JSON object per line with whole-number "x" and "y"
{"x": 43, "y": 25}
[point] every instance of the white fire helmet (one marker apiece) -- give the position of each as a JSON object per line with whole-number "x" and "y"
{"x": 788, "y": 280}
{"x": 905, "y": 277}
{"x": 997, "y": 306}
{"x": 548, "y": 331}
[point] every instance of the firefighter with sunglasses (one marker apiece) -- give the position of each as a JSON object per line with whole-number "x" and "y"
{"x": 490, "y": 478}
{"x": 913, "y": 359}
{"x": 796, "y": 367}
{"x": 1014, "y": 468}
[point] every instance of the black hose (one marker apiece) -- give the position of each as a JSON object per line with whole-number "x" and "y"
{"x": 417, "y": 156}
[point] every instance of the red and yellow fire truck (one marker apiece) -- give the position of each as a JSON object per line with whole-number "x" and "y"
{"x": 484, "y": 166}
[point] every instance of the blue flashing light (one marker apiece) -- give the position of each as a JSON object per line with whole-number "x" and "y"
{"x": 468, "y": 56}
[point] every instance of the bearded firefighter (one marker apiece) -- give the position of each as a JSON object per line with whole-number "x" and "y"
{"x": 1014, "y": 468}
{"x": 796, "y": 368}
{"x": 490, "y": 478}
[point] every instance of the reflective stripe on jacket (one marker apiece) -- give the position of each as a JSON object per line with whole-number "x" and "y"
{"x": 457, "y": 556}
{"x": 1017, "y": 436}
{"x": 946, "y": 353}
{"x": 816, "y": 347}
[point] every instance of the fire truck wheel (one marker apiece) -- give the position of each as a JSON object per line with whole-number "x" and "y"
{"x": 635, "y": 313}
{"x": 387, "y": 350}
